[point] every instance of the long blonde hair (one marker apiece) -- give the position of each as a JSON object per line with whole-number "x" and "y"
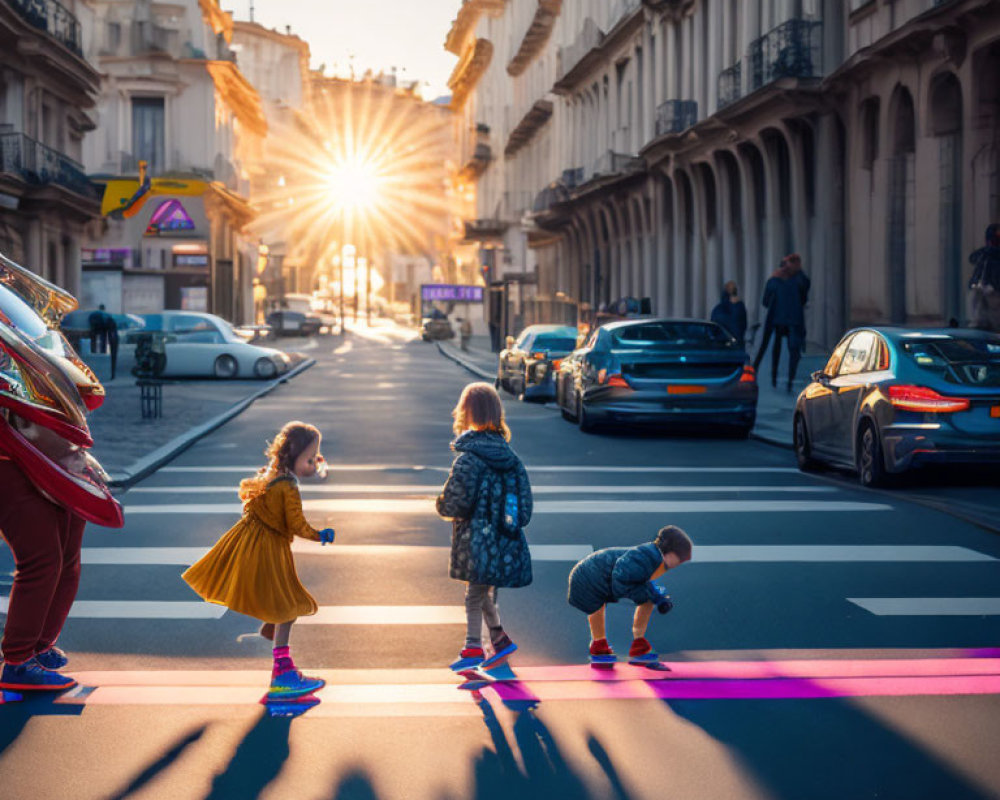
{"x": 282, "y": 453}
{"x": 480, "y": 409}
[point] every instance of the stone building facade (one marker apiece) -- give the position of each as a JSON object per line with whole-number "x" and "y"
{"x": 47, "y": 96}
{"x": 659, "y": 148}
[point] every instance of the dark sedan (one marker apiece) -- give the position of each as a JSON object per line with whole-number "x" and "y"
{"x": 662, "y": 372}
{"x": 892, "y": 398}
{"x": 527, "y": 365}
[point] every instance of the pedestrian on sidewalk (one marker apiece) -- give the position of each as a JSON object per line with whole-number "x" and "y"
{"x": 791, "y": 293}
{"x": 488, "y": 499}
{"x": 731, "y": 313}
{"x": 984, "y": 286}
{"x": 250, "y": 570}
{"x": 616, "y": 573}
{"x": 770, "y": 291}
{"x": 465, "y": 331}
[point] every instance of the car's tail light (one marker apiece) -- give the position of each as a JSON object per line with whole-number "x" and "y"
{"x": 538, "y": 356}
{"x": 748, "y": 376}
{"x": 618, "y": 381}
{"x": 920, "y": 398}
{"x": 557, "y": 363}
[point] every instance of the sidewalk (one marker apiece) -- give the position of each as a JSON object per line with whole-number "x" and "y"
{"x": 774, "y": 406}
{"x": 129, "y": 447}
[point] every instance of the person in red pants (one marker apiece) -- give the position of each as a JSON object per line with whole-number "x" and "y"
{"x": 45, "y": 540}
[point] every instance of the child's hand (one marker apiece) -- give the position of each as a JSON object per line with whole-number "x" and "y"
{"x": 326, "y": 536}
{"x": 662, "y": 601}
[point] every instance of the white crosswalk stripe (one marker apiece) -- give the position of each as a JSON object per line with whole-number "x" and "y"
{"x": 929, "y": 606}
{"x": 435, "y": 489}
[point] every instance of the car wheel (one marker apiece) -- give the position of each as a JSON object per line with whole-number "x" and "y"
{"x": 265, "y": 368}
{"x": 871, "y": 465}
{"x": 582, "y": 418}
{"x": 803, "y": 450}
{"x": 225, "y": 367}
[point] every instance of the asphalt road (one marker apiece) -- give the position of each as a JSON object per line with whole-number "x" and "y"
{"x": 827, "y": 642}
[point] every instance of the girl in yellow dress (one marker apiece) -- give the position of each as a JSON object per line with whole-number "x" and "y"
{"x": 250, "y": 570}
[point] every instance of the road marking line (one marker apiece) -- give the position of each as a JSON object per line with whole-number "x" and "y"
{"x": 426, "y": 506}
{"x": 326, "y": 615}
{"x": 929, "y": 606}
{"x": 252, "y": 468}
{"x": 185, "y": 556}
{"x": 705, "y": 553}
{"x": 435, "y": 489}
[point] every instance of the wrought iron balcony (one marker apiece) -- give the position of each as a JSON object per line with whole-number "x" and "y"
{"x": 53, "y": 18}
{"x": 675, "y": 116}
{"x": 34, "y": 163}
{"x": 791, "y": 50}
{"x": 730, "y": 84}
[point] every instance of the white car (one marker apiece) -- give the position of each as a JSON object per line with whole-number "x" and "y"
{"x": 198, "y": 345}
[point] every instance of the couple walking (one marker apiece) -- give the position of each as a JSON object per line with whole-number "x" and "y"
{"x": 785, "y": 296}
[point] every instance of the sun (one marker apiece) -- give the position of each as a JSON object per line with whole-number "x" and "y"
{"x": 353, "y": 184}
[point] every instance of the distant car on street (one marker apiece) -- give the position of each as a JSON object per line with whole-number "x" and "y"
{"x": 890, "y": 399}
{"x": 203, "y": 345}
{"x": 669, "y": 372}
{"x": 527, "y": 365}
{"x": 293, "y": 323}
{"x": 433, "y": 328}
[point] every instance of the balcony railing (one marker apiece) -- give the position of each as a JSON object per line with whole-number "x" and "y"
{"x": 675, "y": 116}
{"x": 612, "y": 163}
{"x": 571, "y": 178}
{"x": 53, "y": 18}
{"x": 37, "y": 164}
{"x": 730, "y": 84}
{"x": 791, "y": 50}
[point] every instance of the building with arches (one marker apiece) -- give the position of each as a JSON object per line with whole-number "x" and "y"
{"x": 659, "y": 148}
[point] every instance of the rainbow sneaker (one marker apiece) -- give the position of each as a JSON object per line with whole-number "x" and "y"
{"x": 293, "y": 683}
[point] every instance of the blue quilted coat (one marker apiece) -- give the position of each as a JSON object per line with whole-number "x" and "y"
{"x": 612, "y": 574}
{"x": 474, "y": 497}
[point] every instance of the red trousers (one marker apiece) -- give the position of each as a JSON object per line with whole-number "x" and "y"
{"x": 45, "y": 539}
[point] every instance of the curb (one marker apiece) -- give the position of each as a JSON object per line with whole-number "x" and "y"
{"x": 462, "y": 362}
{"x": 148, "y": 464}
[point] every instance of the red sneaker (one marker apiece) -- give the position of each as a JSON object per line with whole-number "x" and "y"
{"x": 600, "y": 647}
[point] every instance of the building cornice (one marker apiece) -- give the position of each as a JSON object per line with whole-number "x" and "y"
{"x": 535, "y": 117}
{"x": 465, "y": 22}
{"x": 220, "y": 201}
{"x": 536, "y": 36}
{"x": 256, "y": 29}
{"x": 573, "y": 75}
{"x": 239, "y": 95}
{"x": 218, "y": 20}
{"x": 469, "y": 69}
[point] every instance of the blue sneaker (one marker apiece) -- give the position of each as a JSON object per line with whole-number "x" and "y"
{"x": 502, "y": 650}
{"x": 32, "y": 676}
{"x": 468, "y": 660}
{"x": 293, "y": 684}
{"x": 53, "y": 658}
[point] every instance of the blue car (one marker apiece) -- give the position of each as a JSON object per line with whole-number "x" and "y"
{"x": 667, "y": 372}
{"x": 891, "y": 399}
{"x": 527, "y": 365}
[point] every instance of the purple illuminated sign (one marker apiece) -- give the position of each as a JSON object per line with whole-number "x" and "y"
{"x": 449, "y": 292}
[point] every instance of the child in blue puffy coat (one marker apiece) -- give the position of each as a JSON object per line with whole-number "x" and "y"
{"x": 609, "y": 575}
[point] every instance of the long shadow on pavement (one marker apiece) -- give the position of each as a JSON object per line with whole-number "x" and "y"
{"x": 355, "y": 785}
{"x": 801, "y": 750}
{"x": 257, "y": 761}
{"x": 14, "y": 716}
{"x": 160, "y": 764}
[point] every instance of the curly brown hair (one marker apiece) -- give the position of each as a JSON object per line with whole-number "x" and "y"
{"x": 282, "y": 453}
{"x": 480, "y": 409}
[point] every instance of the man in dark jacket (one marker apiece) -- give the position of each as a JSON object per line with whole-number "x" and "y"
{"x": 768, "y": 328}
{"x": 791, "y": 293}
{"x": 731, "y": 313}
{"x": 984, "y": 286}
{"x": 614, "y": 573}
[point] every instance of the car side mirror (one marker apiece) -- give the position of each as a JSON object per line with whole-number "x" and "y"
{"x": 820, "y": 377}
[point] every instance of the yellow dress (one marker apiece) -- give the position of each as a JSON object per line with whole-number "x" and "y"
{"x": 250, "y": 570}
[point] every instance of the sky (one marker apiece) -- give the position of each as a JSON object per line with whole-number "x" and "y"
{"x": 379, "y": 34}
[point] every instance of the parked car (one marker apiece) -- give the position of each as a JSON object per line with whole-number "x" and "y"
{"x": 318, "y": 313}
{"x": 890, "y": 399}
{"x": 527, "y": 366}
{"x": 293, "y": 323}
{"x": 197, "y": 344}
{"x": 433, "y": 328}
{"x": 76, "y": 326}
{"x": 659, "y": 372}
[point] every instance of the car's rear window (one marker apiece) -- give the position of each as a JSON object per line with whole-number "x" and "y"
{"x": 970, "y": 362}
{"x": 548, "y": 341}
{"x": 672, "y": 334}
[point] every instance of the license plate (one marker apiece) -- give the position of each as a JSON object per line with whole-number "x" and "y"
{"x": 685, "y": 389}
{"x": 995, "y": 412}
